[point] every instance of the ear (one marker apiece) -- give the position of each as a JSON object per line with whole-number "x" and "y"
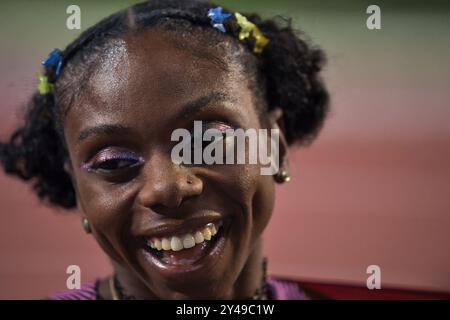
{"x": 275, "y": 119}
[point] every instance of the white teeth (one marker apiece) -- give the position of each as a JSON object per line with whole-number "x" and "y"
{"x": 199, "y": 237}
{"x": 157, "y": 244}
{"x": 176, "y": 244}
{"x": 188, "y": 240}
{"x": 165, "y": 244}
{"x": 213, "y": 229}
{"x": 207, "y": 233}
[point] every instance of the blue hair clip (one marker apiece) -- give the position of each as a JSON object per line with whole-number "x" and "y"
{"x": 217, "y": 18}
{"x": 54, "y": 59}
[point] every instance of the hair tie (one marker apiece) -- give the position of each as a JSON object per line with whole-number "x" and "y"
{"x": 55, "y": 60}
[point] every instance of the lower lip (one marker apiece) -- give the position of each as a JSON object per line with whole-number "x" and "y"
{"x": 207, "y": 259}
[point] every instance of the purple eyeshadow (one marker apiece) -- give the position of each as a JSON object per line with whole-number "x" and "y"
{"x": 221, "y": 126}
{"x": 107, "y": 155}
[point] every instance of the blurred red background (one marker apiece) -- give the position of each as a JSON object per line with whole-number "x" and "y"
{"x": 373, "y": 189}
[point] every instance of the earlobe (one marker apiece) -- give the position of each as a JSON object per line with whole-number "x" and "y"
{"x": 86, "y": 226}
{"x": 275, "y": 119}
{"x": 282, "y": 176}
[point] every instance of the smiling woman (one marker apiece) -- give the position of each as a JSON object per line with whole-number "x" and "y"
{"x": 98, "y": 137}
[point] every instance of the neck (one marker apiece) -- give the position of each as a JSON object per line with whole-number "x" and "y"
{"x": 247, "y": 284}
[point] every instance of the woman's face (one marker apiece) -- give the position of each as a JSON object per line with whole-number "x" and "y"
{"x": 119, "y": 139}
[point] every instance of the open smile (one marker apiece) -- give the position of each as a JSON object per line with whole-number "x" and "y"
{"x": 188, "y": 248}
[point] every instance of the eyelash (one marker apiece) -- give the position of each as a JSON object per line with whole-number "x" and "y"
{"x": 218, "y": 125}
{"x": 111, "y": 157}
{"x": 108, "y": 156}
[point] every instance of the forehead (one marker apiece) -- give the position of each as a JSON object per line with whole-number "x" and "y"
{"x": 151, "y": 74}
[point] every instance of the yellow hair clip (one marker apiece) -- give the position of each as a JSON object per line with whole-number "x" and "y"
{"x": 44, "y": 87}
{"x": 260, "y": 40}
{"x": 248, "y": 28}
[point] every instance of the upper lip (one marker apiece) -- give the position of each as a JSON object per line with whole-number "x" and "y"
{"x": 179, "y": 227}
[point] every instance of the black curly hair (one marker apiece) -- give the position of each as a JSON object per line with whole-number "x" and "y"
{"x": 285, "y": 75}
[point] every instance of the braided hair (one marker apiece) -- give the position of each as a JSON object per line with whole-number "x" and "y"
{"x": 285, "y": 75}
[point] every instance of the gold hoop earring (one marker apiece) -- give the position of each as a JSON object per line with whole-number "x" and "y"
{"x": 86, "y": 225}
{"x": 284, "y": 176}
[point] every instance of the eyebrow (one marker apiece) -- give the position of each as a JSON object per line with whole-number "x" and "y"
{"x": 195, "y": 106}
{"x": 103, "y": 129}
{"x": 187, "y": 111}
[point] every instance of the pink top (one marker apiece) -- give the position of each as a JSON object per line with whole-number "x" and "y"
{"x": 278, "y": 290}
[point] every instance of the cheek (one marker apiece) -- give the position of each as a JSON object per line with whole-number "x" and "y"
{"x": 263, "y": 203}
{"x": 104, "y": 204}
{"x": 108, "y": 209}
{"x": 253, "y": 192}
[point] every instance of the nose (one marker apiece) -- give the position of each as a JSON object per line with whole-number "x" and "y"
{"x": 167, "y": 185}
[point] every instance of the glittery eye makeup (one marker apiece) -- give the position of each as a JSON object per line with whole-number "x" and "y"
{"x": 218, "y": 125}
{"x": 112, "y": 159}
